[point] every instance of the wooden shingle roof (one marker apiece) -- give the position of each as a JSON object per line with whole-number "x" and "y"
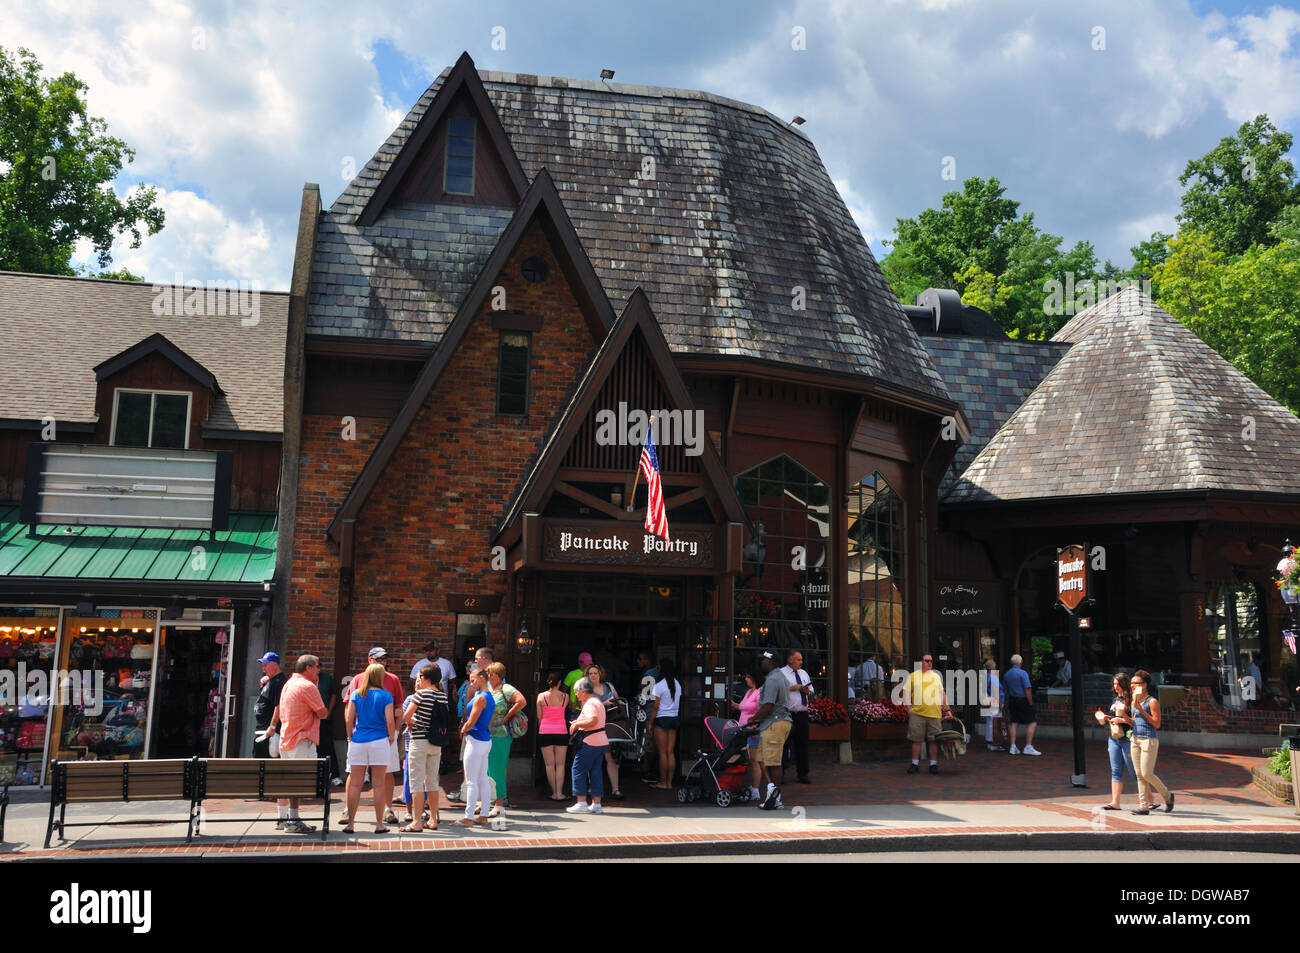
{"x": 739, "y": 214}
{"x": 1139, "y": 404}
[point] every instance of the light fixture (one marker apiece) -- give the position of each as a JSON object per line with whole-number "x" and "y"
{"x": 524, "y": 642}
{"x": 616, "y": 497}
{"x": 798, "y": 121}
{"x": 607, "y": 74}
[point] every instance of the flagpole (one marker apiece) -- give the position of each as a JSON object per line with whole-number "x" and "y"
{"x": 631, "y": 500}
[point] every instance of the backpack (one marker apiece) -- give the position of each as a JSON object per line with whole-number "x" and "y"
{"x": 439, "y": 725}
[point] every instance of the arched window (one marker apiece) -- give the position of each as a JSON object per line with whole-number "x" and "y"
{"x": 876, "y": 583}
{"x": 1234, "y": 633}
{"x": 783, "y": 598}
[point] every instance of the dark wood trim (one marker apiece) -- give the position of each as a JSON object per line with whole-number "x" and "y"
{"x": 37, "y": 588}
{"x": 595, "y": 502}
{"x": 542, "y": 197}
{"x": 1154, "y": 507}
{"x": 157, "y": 343}
{"x": 575, "y": 475}
{"x": 637, "y": 316}
{"x": 31, "y": 503}
{"x": 322, "y": 345}
{"x": 252, "y": 436}
{"x": 19, "y": 423}
{"x": 511, "y": 321}
{"x": 731, "y": 413}
{"x": 681, "y": 499}
{"x": 465, "y": 77}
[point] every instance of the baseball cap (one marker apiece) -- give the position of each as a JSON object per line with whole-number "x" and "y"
{"x": 269, "y": 657}
{"x": 377, "y": 653}
{"x": 584, "y": 658}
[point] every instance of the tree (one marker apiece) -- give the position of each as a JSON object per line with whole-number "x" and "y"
{"x": 979, "y": 244}
{"x": 1240, "y": 187}
{"x": 57, "y": 165}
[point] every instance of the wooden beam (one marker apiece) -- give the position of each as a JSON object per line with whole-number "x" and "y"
{"x": 582, "y": 496}
{"x": 681, "y": 499}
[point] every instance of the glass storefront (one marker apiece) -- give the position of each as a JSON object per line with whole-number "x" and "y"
{"x": 28, "y": 646}
{"x": 1234, "y": 636}
{"x": 877, "y": 527}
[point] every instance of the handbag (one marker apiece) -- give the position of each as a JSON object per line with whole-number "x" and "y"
{"x": 517, "y": 727}
{"x": 142, "y": 651}
{"x": 1116, "y": 730}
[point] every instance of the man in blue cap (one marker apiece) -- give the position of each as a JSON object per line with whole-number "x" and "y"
{"x": 268, "y": 700}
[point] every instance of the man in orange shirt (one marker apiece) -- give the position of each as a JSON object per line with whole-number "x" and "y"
{"x": 382, "y": 787}
{"x": 300, "y": 711}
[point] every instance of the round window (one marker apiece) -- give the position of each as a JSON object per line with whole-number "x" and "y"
{"x": 535, "y": 269}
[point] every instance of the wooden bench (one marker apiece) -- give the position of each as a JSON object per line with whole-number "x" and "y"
{"x": 262, "y": 778}
{"x": 109, "y": 782}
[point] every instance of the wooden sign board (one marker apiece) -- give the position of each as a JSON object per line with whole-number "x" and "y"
{"x": 1071, "y": 576}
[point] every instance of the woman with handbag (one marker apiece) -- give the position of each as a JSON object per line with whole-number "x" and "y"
{"x": 1117, "y": 745}
{"x": 607, "y": 695}
{"x": 426, "y": 709}
{"x": 1144, "y": 716}
{"x": 553, "y": 732}
{"x": 508, "y": 723}
{"x": 476, "y": 732}
{"x": 588, "y": 731}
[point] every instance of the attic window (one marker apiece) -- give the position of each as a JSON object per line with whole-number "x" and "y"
{"x": 150, "y": 419}
{"x": 535, "y": 269}
{"x": 512, "y": 373}
{"x": 458, "y": 174}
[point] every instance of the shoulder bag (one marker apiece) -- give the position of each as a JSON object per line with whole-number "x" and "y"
{"x": 517, "y": 726}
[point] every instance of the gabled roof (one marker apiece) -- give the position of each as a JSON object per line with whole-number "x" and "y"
{"x": 157, "y": 344}
{"x": 541, "y": 199}
{"x": 462, "y": 78}
{"x": 57, "y": 330}
{"x": 718, "y": 209}
{"x": 1139, "y": 404}
{"x": 637, "y": 318}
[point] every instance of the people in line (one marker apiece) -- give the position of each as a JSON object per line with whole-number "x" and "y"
{"x": 1118, "y": 746}
{"x": 477, "y": 734}
{"x": 385, "y": 783}
{"x": 748, "y": 707}
{"x": 426, "y": 709}
{"x": 772, "y": 720}
{"x": 584, "y": 661}
{"x": 924, "y": 698}
{"x": 607, "y": 695}
{"x": 553, "y": 732}
{"x": 664, "y": 719}
{"x": 268, "y": 697}
{"x": 372, "y": 731}
{"x": 1020, "y": 701}
{"x": 588, "y": 785}
{"x": 800, "y": 692}
{"x": 509, "y": 702}
{"x": 1144, "y": 717}
{"x": 300, "y": 712}
{"x": 994, "y": 728}
{"x": 433, "y": 656}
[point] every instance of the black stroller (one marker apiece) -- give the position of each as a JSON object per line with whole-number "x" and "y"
{"x": 720, "y": 776}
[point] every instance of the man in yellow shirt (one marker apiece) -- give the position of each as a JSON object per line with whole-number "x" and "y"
{"x": 924, "y": 699}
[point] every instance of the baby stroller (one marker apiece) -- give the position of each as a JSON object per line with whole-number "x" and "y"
{"x": 952, "y": 739}
{"x": 719, "y": 776}
{"x": 626, "y": 742}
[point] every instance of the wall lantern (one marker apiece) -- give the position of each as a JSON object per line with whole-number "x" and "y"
{"x": 524, "y": 644}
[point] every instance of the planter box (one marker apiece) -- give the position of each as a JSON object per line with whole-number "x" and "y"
{"x": 879, "y": 731}
{"x": 828, "y": 732}
{"x": 1276, "y": 786}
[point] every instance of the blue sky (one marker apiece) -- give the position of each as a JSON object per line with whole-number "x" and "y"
{"x": 232, "y": 106}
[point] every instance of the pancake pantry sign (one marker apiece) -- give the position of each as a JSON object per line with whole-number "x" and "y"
{"x": 627, "y": 546}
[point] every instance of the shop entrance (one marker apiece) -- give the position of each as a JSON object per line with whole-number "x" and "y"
{"x": 613, "y": 645}
{"x": 194, "y": 686}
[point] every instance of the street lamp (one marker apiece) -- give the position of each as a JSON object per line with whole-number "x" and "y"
{"x": 1290, "y": 595}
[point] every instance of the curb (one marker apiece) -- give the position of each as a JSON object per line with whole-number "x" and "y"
{"x": 1272, "y": 842}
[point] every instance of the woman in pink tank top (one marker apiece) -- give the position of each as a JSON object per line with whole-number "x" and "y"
{"x": 553, "y": 732}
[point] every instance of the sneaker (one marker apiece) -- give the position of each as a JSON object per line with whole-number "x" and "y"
{"x": 298, "y": 827}
{"x": 1015, "y": 750}
{"x": 754, "y": 794}
{"x": 913, "y": 768}
{"x": 453, "y": 796}
{"x": 279, "y": 825}
{"x": 597, "y": 809}
{"x": 337, "y": 782}
{"x": 579, "y": 807}
{"x": 996, "y": 748}
{"x": 778, "y": 806}
{"x": 769, "y": 800}
{"x": 1030, "y": 749}
{"x": 1140, "y": 811}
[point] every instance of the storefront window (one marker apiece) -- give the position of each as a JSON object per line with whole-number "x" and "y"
{"x": 876, "y": 593}
{"x": 28, "y": 643}
{"x": 783, "y": 599}
{"x": 111, "y": 656}
{"x": 1234, "y": 634}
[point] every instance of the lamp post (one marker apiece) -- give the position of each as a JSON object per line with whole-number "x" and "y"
{"x": 1290, "y": 595}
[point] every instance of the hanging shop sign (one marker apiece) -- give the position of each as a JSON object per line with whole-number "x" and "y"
{"x": 977, "y": 602}
{"x": 1071, "y": 576}
{"x": 627, "y": 544}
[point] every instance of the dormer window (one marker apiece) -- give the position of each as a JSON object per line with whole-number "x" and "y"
{"x": 143, "y": 418}
{"x": 458, "y": 173}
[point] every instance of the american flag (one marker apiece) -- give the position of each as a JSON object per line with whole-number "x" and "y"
{"x": 656, "y": 519}
{"x": 1290, "y": 641}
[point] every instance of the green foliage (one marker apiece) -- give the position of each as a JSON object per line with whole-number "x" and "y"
{"x": 120, "y": 274}
{"x": 57, "y": 166}
{"x": 1280, "y": 763}
{"x": 979, "y": 244}
{"x": 1246, "y": 307}
{"x": 1240, "y": 187}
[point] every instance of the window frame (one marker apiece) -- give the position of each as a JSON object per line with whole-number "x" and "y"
{"x": 153, "y": 404}
{"x": 473, "y": 156}
{"x": 528, "y": 373}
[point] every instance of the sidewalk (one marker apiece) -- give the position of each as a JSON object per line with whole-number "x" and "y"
{"x": 982, "y": 801}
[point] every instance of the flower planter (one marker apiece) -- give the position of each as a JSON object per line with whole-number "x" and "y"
{"x": 828, "y": 732}
{"x": 879, "y": 731}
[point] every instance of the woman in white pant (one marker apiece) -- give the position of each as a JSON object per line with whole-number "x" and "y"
{"x": 478, "y": 745}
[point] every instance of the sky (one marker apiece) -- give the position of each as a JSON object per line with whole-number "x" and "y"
{"x": 1086, "y": 112}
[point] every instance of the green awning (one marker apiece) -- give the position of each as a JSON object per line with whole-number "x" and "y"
{"x": 244, "y": 553}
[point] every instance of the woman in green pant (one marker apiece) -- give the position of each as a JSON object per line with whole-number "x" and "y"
{"x": 510, "y": 702}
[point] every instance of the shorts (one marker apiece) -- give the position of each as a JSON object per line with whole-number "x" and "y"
{"x": 367, "y": 753}
{"x": 1022, "y": 713}
{"x": 922, "y": 728}
{"x": 668, "y": 724}
{"x": 772, "y": 742}
{"x": 422, "y": 760}
{"x": 552, "y": 741}
{"x": 304, "y": 749}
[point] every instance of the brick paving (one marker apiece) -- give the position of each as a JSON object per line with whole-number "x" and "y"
{"x": 983, "y": 794}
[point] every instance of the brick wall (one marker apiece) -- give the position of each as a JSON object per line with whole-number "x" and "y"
{"x": 1198, "y": 711}
{"x": 424, "y": 532}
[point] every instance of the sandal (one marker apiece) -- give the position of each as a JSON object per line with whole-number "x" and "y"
{"x": 410, "y": 829}
{"x": 495, "y": 812}
{"x": 381, "y": 829}
{"x": 1111, "y": 807}
{"x": 465, "y": 822}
